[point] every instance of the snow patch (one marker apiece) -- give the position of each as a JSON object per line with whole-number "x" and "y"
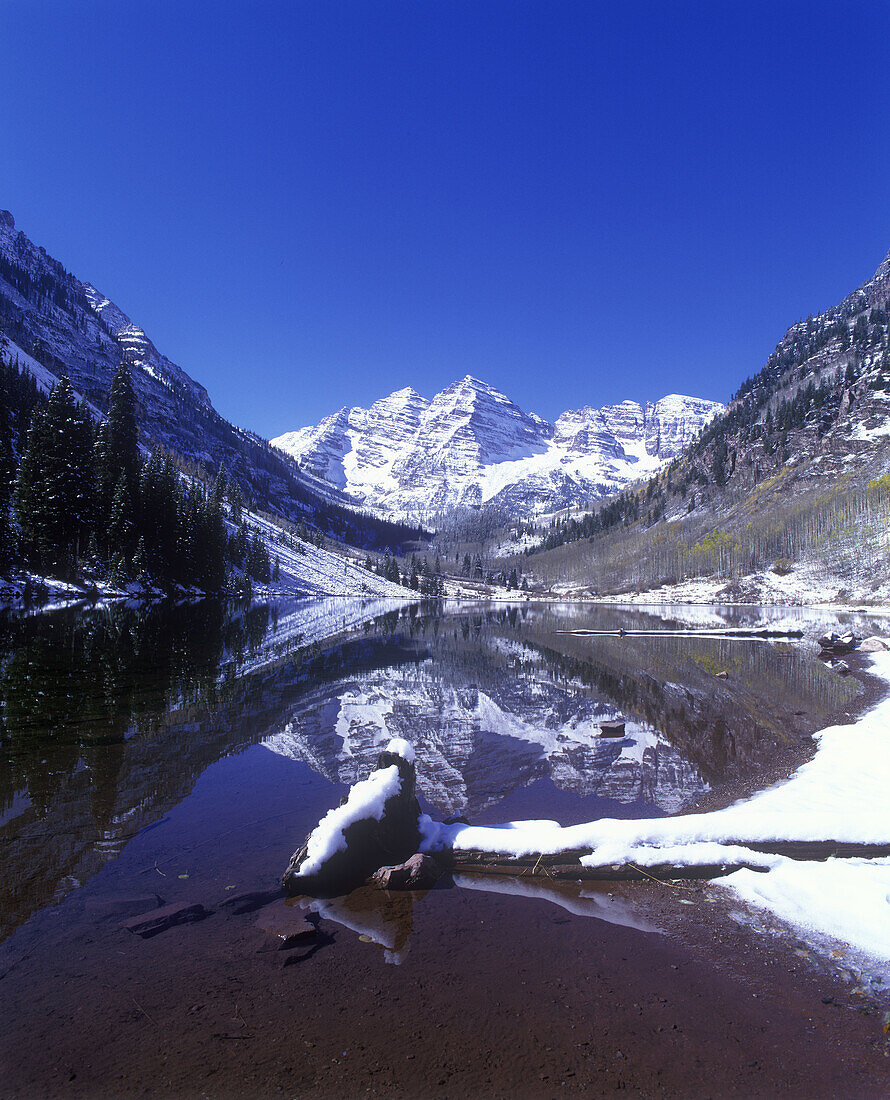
{"x": 400, "y": 747}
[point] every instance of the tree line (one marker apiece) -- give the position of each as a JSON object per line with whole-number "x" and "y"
{"x": 78, "y": 500}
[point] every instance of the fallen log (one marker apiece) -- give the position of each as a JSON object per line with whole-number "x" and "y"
{"x": 738, "y": 632}
{"x": 568, "y": 865}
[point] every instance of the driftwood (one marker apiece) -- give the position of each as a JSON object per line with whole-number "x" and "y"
{"x": 567, "y": 864}
{"x": 739, "y": 632}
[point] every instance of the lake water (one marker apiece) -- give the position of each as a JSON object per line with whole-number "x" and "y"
{"x": 185, "y": 751}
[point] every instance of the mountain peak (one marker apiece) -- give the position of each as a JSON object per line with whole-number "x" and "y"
{"x": 471, "y": 382}
{"x": 7, "y": 221}
{"x": 406, "y": 393}
{"x": 471, "y": 444}
{"x": 883, "y": 271}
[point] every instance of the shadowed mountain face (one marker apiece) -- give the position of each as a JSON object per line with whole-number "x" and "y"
{"x": 111, "y": 716}
{"x": 54, "y": 324}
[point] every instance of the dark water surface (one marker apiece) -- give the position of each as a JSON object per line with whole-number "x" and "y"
{"x": 181, "y": 753}
{"x": 143, "y": 732}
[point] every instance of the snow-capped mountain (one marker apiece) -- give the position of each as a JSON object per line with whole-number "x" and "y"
{"x": 471, "y": 444}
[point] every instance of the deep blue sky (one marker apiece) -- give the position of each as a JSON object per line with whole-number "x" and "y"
{"x": 310, "y": 204}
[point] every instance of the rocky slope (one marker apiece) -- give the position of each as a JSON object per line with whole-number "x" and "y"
{"x": 788, "y": 487}
{"x": 471, "y": 444}
{"x": 56, "y": 324}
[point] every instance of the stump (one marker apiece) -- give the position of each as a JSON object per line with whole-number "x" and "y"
{"x": 352, "y": 841}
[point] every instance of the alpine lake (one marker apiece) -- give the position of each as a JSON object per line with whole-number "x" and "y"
{"x": 173, "y": 756}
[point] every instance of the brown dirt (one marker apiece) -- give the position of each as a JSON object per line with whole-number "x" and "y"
{"x": 497, "y": 996}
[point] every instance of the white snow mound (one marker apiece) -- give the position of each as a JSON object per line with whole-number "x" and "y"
{"x": 400, "y": 747}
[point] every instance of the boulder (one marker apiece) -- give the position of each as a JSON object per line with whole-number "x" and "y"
{"x": 286, "y": 924}
{"x": 375, "y": 826}
{"x": 420, "y": 872}
{"x": 834, "y": 644}
{"x": 873, "y": 645}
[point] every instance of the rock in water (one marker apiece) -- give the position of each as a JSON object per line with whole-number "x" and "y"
{"x": 376, "y": 825}
{"x": 168, "y": 916}
{"x": 420, "y": 872}
{"x": 289, "y": 926}
{"x": 833, "y": 644}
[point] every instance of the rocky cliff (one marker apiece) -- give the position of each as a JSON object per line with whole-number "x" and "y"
{"x": 471, "y": 444}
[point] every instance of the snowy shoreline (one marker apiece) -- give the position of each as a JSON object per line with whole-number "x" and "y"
{"x": 839, "y": 795}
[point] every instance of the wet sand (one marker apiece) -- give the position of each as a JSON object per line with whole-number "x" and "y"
{"x": 496, "y": 996}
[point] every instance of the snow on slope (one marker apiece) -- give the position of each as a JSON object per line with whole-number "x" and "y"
{"x": 471, "y": 444}
{"x": 313, "y": 570}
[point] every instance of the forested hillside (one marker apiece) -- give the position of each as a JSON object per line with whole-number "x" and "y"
{"x": 57, "y": 325}
{"x": 793, "y": 474}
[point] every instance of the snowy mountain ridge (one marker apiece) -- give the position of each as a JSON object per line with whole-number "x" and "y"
{"x": 54, "y": 324}
{"x": 470, "y": 444}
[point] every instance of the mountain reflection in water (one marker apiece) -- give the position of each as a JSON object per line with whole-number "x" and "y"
{"x": 110, "y": 715}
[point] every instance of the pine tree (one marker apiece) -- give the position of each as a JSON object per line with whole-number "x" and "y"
{"x": 236, "y": 502}
{"x": 55, "y": 487}
{"x": 7, "y": 473}
{"x": 117, "y": 445}
{"x": 140, "y": 563}
{"x": 120, "y": 574}
{"x": 257, "y": 563}
{"x": 121, "y": 528}
{"x": 216, "y": 542}
{"x": 28, "y": 493}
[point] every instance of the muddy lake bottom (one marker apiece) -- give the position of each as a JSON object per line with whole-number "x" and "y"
{"x": 476, "y": 988}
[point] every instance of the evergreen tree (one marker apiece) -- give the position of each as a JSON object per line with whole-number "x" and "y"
{"x": 140, "y": 563}
{"x": 117, "y": 445}
{"x": 7, "y": 473}
{"x": 28, "y": 491}
{"x": 121, "y": 528}
{"x": 257, "y": 563}
{"x": 236, "y": 502}
{"x": 55, "y": 484}
{"x": 215, "y": 543}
